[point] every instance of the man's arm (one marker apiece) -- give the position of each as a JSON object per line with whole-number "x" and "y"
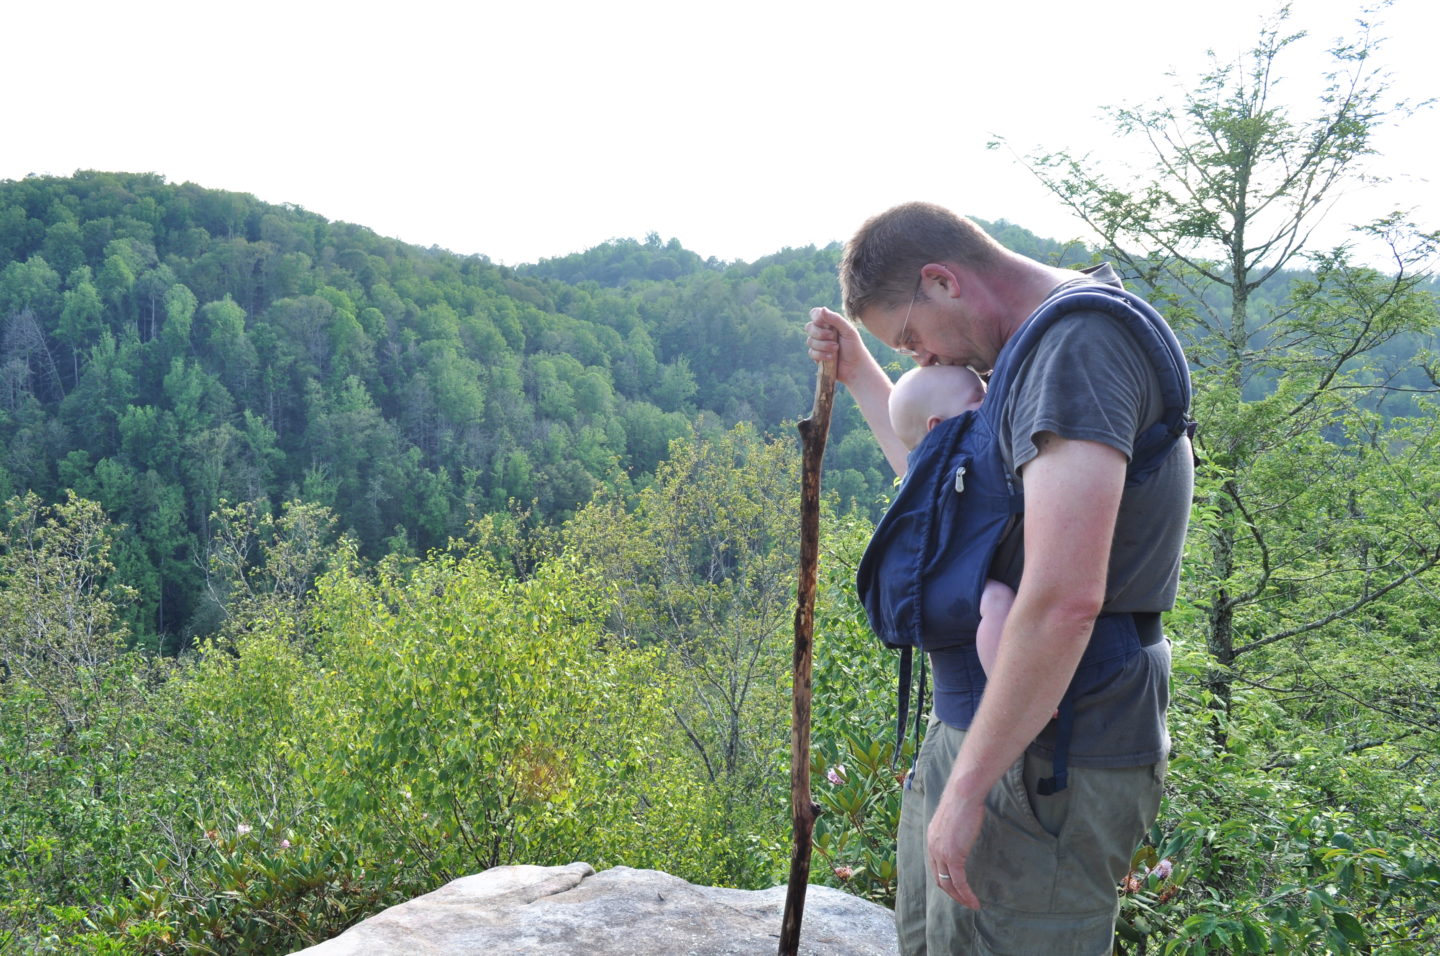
{"x": 829, "y": 335}
{"x": 1072, "y": 497}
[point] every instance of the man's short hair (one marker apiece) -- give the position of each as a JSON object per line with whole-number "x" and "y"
{"x": 882, "y": 261}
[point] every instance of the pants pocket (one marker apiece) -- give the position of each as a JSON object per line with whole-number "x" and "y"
{"x": 1015, "y": 857}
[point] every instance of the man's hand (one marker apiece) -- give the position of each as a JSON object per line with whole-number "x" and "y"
{"x": 829, "y": 335}
{"x": 953, "y": 831}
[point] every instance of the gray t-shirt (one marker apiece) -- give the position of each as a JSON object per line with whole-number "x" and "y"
{"x": 1089, "y": 379}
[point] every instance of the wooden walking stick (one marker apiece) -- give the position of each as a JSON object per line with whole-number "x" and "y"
{"x": 803, "y": 809}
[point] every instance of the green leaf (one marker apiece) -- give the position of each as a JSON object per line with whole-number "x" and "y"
{"x": 1349, "y": 926}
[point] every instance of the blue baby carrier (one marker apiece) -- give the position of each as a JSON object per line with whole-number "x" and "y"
{"x": 922, "y": 574}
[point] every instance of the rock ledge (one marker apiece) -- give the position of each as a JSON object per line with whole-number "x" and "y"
{"x": 574, "y": 910}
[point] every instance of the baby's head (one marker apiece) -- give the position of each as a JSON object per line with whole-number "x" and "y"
{"x": 926, "y": 396}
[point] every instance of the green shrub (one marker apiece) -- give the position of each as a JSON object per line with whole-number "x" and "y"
{"x": 464, "y": 720}
{"x": 250, "y": 890}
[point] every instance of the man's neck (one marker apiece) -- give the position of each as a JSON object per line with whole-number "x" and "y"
{"x": 1024, "y": 284}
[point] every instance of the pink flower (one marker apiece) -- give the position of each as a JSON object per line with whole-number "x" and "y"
{"x": 836, "y": 775}
{"x": 284, "y": 844}
{"x": 844, "y": 872}
{"x": 243, "y": 829}
{"x": 1163, "y": 869}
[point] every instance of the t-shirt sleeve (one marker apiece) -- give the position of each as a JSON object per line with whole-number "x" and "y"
{"x": 1086, "y": 380}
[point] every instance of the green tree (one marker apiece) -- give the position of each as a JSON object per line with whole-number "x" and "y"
{"x": 1237, "y": 185}
{"x": 508, "y": 383}
{"x": 707, "y": 562}
{"x": 261, "y": 567}
{"x": 116, "y": 280}
{"x": 72, "y": 708}
{"x": 152, "y": 287}
{"x": 180, "y": 305}
{"x": 221, "y": 338}
{"x": 57, "y": 608}
{"x": 106, "y": 388}
{"x": 1310, "y": 569}
{"x": 30, "y": 285}
{"x": 81, "y": 317}
{"x": 64, "y": 247}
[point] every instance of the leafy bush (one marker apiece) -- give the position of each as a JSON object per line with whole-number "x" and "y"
{"x": 1286, "y": 857}
{"x": 249, "y": 890}
{"x": 471, "y": 720}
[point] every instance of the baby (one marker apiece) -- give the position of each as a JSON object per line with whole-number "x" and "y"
{"x": 923, "y": 398}
{"x": 926, "y": 396}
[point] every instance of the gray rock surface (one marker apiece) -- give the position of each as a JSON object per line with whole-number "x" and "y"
{"x": 574, "y": 910}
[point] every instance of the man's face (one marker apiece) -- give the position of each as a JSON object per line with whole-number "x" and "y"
{"x": 934, "y": 330}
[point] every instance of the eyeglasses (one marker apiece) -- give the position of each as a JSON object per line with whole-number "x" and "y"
{"x": 900, "y": 346}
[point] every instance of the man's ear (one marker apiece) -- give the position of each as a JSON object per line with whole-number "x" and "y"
{"x": 932, "y": 421}
{"x": 942, "y": 276}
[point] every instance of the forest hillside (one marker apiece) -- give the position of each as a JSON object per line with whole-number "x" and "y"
{"x": 167, "y": 348}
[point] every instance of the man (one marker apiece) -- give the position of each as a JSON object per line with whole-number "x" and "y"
{"x": 987, "y": 863}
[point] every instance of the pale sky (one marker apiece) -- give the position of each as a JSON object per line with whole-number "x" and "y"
{"x": 538, "y": 128}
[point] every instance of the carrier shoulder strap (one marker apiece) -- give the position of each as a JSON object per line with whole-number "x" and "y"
{"x": 1154, "y": 337}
